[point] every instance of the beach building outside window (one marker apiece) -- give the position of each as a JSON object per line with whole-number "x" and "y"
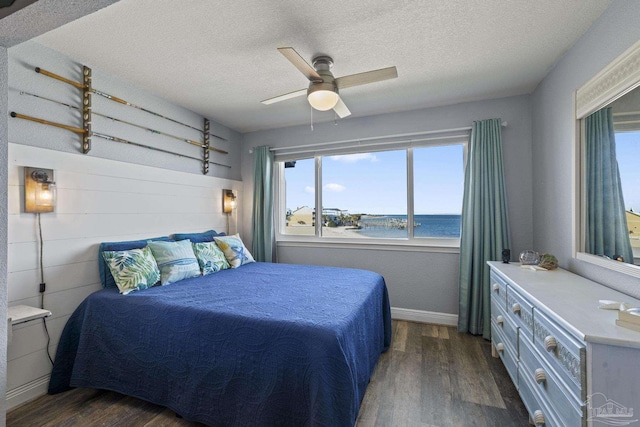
{"x": 411, "y": 193}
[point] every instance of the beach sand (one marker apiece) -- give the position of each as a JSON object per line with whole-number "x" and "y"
{"x": 343, "y": 232}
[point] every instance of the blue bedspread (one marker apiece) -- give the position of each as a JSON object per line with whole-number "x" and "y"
{"x": 261, "y": 345}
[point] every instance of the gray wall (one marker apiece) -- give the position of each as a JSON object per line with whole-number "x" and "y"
{"x": 416, "y": 280}
{"x": 25, "y": 57}
{"x": 554, "y": 135}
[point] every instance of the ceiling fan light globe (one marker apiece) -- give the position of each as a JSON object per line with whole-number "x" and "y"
{"x": 323, "y": 100}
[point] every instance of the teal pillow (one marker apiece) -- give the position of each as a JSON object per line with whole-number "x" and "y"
{"x": 132, "y": 270}
{"x": 176, "y": 260}
{"x": 210, "y": 257}
{"x": 234, "y": 250}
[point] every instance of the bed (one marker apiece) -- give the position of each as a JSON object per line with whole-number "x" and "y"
{"x": 261, "y": 345}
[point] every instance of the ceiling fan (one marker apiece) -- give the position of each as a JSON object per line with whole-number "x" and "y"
{"x": 323, "y": 91}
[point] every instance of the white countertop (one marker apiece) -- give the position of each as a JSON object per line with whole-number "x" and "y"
{"x": 572, "y": 301}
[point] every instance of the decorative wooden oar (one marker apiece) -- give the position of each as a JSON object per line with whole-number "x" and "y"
{"x": 136, "y": 144}
{"x": 125, "y": 122}
{"x": 46, "y": 122}
{"x": 108, "y": 137}
{"x": 116, "y": 99}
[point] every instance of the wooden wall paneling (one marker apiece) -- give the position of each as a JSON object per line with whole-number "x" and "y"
{"x": 25, "y": 284}
{"x": 55, "y": 253}
{"x": 28, "y": 368}
{"x": 57, "y": 227}
{"x": 97, "y": 201}
{"x": 32, "y": 337}
{"x": 94, "y": 180}
{"x": 65, "y": 302}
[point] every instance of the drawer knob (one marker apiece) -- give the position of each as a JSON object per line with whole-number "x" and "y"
{"x": 500, "y": 347}
{"x": 540, "y": 376}
{"x": 550, "y": 343}
{"x": 516, "y": 308}
{"x": 496, "y": 287}
{"x": 538, "y": 418}
{"x": 500, "y": 320}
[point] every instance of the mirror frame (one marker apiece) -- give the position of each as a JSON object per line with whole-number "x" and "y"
{"x": 616, "y": 80}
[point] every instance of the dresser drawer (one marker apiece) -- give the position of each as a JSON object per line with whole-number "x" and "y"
{"x": 547, "y": 383}
{"x": 505, "y": 351}
{"x": 505, "y": 324}
{"x": 565, "y": 354}
{"x": 539, "y": 411}
{"x": 499, "y": 289}
{"x": 520, "y": 311}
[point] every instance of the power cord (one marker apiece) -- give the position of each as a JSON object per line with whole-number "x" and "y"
{"x": 43, "y": 286}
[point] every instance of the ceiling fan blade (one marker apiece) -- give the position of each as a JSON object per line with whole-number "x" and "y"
{"x": 366, "y": 78}
{"x": 285, "y": 97}
{"x": 302, "y": 65}
{"x": 341, "y": 109}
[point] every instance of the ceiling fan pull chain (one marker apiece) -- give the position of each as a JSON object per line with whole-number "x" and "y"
{"x": 311, "y": 109}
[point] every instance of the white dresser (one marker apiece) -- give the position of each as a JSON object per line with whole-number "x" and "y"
{"x": 571, "y": 363}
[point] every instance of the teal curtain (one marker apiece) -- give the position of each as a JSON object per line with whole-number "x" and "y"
{"x": 607, "y": 231}
{"x": 485, "y": 225}
{"x": 262, "y": 227}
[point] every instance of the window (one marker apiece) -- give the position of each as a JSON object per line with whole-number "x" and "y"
{"x": 403, "y": 194}
{"x": 365, "y": 194}
{"x": 299, "y": 183}
{"x": 438, "y": 183}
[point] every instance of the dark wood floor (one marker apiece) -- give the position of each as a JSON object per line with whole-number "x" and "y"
{"x": 431, "y": 376}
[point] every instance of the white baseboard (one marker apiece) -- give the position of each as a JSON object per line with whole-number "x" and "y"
{"x": 27, "y": 392}
{"x": 424, "y": 316}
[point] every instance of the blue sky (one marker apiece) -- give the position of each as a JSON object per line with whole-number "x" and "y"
{"x": 628, "y": 155}
{"x": 375, "y": 183}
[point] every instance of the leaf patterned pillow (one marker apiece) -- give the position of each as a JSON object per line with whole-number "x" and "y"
{"x": 210, "y": 257}
{"x": 133, "y": 270}
{"x": 176, "y": 260}
{"x": 234, "y": 250}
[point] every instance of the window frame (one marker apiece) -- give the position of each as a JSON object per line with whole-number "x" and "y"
{"x": 425, "y": 244}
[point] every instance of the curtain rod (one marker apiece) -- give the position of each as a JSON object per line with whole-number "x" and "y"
{"x": 626, "y": 122}
{"x": 372, "y": 144}
{"x": 373, "y": 138}
{"x": 627, "y": 113}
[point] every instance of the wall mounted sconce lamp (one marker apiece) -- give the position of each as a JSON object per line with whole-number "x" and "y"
{"x": 39, "y": 190}
{"x": 228, "y": 201}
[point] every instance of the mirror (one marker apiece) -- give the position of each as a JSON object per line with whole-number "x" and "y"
{"x": 608, "y": 110}
{"x": 611, "y": 147}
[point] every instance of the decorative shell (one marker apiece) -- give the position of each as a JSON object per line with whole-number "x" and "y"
{"x": 529, "y": 257}
{"x": 548, "y": 261}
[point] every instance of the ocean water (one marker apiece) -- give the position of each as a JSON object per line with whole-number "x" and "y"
{"x": 430, "y": 226}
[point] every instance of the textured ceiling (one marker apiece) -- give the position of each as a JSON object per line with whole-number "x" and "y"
{"x": 26, "y": 19}
{"x": 9, "y": 7}
{"x": 220, "y": 59}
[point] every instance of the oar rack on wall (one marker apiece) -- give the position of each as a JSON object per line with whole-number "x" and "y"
{"x": 87, "y": 113}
